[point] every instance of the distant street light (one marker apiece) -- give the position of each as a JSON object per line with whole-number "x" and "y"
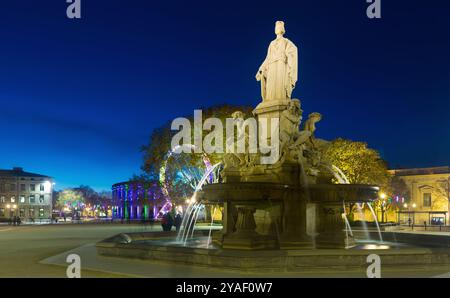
{"x": 414, "y": 205}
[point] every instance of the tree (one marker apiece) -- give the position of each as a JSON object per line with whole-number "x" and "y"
{"x": 360, "y": 164}
{"x": 69, "y": 198}
{"x": 83, "y": 195}
{"x": 182, "y": 165}
{"x": 399, "y": 188}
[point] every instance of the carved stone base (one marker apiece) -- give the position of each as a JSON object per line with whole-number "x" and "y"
{"x": 332, "y": 232}
{"x": 269, "y": 107}
{"x": 248, "y": 242}
{"x": 295, "y": 242}
{"x": 335, "y": 239}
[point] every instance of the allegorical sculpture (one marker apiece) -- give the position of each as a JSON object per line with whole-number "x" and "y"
{"x": 278, "y": 72}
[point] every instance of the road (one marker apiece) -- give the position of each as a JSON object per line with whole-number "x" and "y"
{"x": 23, "y": 248}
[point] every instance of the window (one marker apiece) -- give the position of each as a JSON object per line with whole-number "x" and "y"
{"x": 32, "y": 187}
{"x": 22, "y": 212}
{"x": 2, "y": 199}
{"x": 427, "y": 200}
{"x": 31, "y": 213}
{"x": 41, "y": 199}
{"x": 41, "y": 212}
{"x": 12, "y": 187}
{"x": 22, "y": 187}
{"x": 41, "y": 187}
{"x": 2, "y": 212}
{"x": 13, "y": 199}
{"x": 32, "y": 200}
{"x": 22, "y": 199}
{"x": 2, "y": 187}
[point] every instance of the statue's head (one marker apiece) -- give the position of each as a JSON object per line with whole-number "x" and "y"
{"x": 316, "y": 117}
{"x": 279, "y": 28}
{"x": 237, "y": 115}
{"x": 295, "y": 107}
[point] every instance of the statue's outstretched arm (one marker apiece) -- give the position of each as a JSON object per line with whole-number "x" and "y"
{"x": 262, "y": 68}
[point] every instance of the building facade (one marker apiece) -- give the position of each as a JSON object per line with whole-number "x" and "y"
{"x": 138, "y": 201}
{"x": 24, "y": 194}
{"x": 429, "y": 190}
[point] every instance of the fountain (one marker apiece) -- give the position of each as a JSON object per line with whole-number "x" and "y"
{"x": 297, "y": 193}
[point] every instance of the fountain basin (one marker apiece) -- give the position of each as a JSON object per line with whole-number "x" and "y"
{"x": 256, "y": 191}
{"x": 291, "y": 209}
{"x": 268, "y": 260}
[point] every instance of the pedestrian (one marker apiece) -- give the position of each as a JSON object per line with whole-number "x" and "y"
{"x": 178, "y": 220}
{"x": 165, "y": 222}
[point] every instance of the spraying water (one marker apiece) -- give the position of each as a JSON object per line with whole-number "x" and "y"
{"x": 376, "y": 221}
{"x": 191, "y": 216}
{"x": 359, "y": 208}
{"x": 337, "y": 173}
{"x": 213, "y": 213}
{"x": 347, "y": 223}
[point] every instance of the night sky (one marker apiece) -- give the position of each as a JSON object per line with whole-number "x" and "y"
{"x": 79, "y": 97}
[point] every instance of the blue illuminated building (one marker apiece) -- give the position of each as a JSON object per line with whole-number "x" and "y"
{"x": 137, "y": 201}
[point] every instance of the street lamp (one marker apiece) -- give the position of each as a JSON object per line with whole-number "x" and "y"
{"x": 11, "y": 209}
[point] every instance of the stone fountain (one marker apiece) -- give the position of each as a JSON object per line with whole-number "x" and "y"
{"x": 296, "y": 191}
{"x": 285, "y": 215}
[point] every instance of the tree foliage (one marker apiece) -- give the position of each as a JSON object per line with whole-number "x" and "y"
{"x": 359, "y": 163}
{"x": 176, "y": 169}
{"x": 75, "y": 197}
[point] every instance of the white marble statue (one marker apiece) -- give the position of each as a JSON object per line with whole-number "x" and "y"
{"x": 278, "y": 72}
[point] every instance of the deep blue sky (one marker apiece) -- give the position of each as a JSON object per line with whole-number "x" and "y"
{"x": 79, "y": 97}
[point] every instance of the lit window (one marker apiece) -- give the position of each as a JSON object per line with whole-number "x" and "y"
{"x": 41, "y": 199}
{"x": 427, "y": 200}
{"x": 41, "y": 212}
{"x": 22, "y": 199}
{"x": 2, "y": 199}
{"x": 2, "y": 212}
{"x": 13, "y": 199}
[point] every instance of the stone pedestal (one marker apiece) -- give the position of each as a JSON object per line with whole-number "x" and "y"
{"x": 332, "y": 227}
{"x": 244, "y": 235}
{"x": 271, "y": 109}
{"x": 294, "y": 234}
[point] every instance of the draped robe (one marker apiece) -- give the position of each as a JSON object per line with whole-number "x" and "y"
{"x": 279, "y": 70}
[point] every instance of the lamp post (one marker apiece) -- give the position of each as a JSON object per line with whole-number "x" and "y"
{"x": 11, "y": 209}
{"x": 383, "y": 205}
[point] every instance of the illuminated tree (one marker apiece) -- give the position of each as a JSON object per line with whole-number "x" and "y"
{"x": 69, "y": 198}
{"x": 180, "y": 167}
{"x": 361, "y": 165}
